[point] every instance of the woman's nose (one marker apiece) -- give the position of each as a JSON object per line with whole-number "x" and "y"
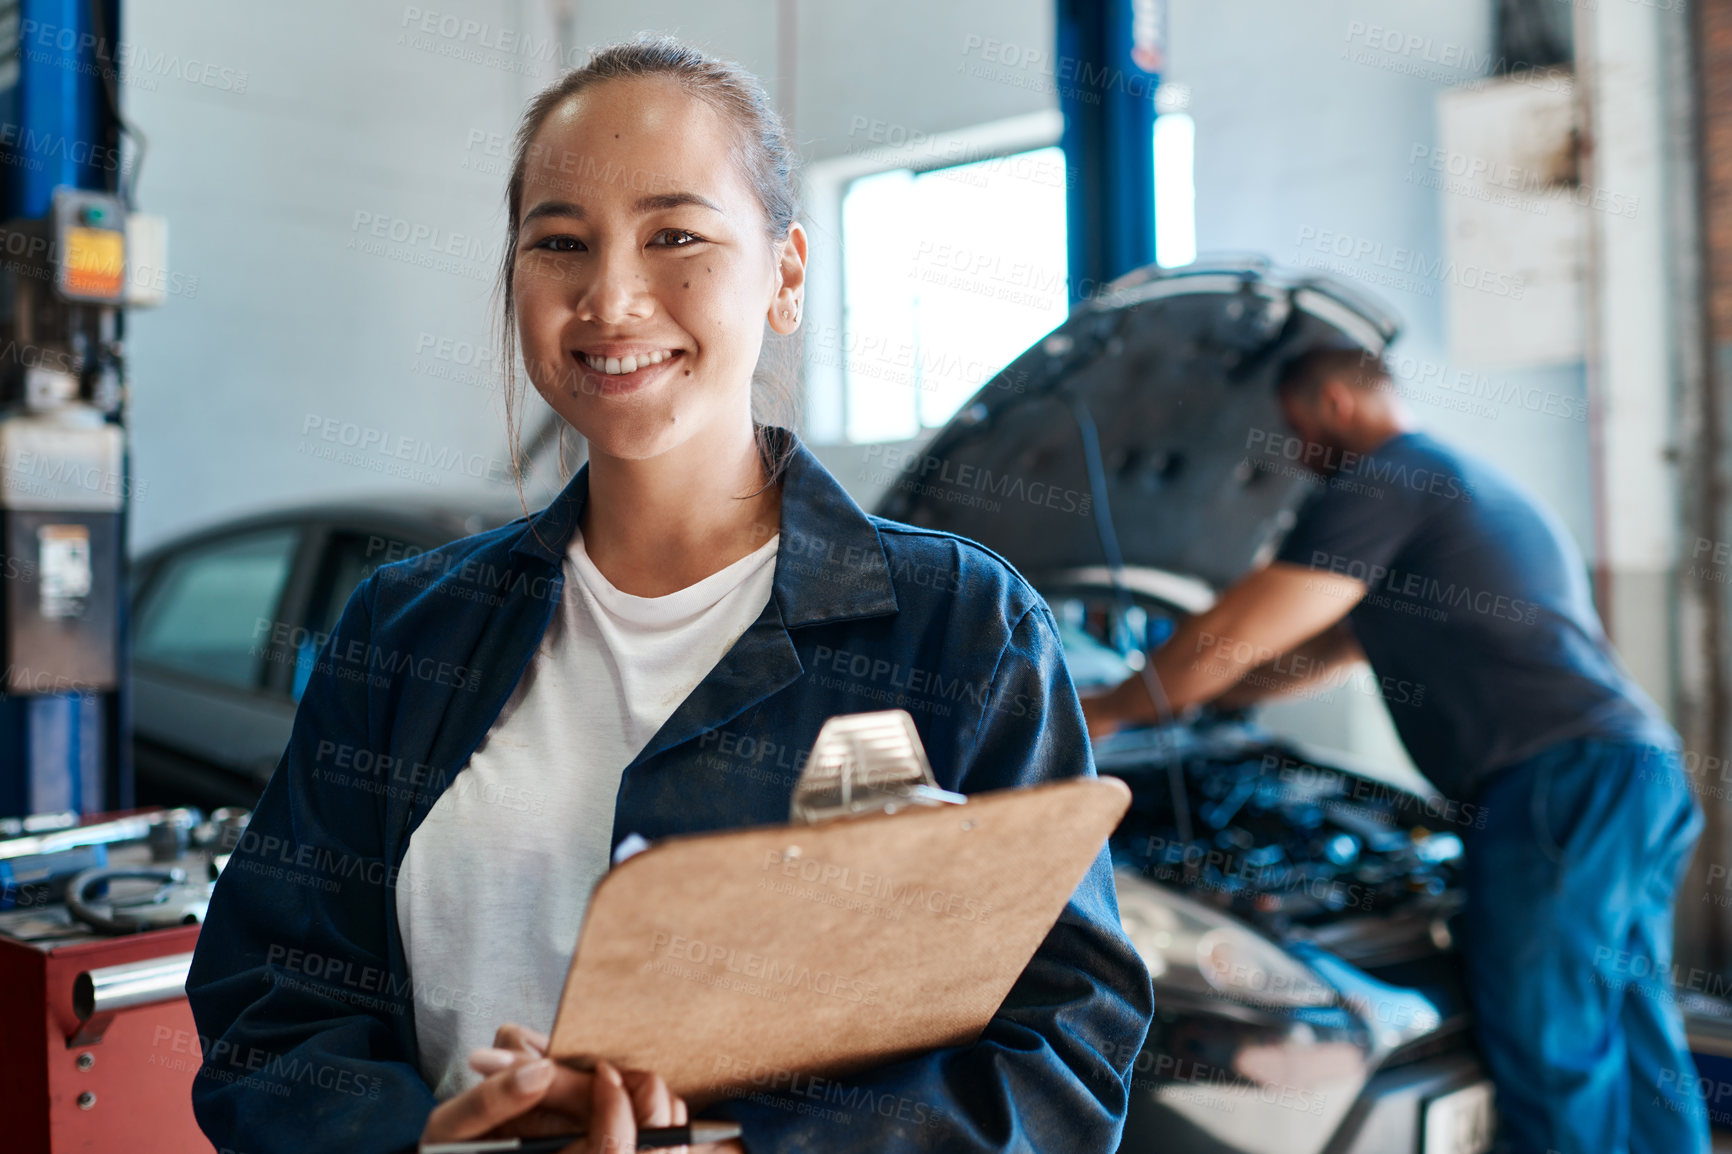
{"x": 616, "y": 287}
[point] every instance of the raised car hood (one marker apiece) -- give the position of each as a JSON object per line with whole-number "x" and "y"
{"x": 1177, "y": 369}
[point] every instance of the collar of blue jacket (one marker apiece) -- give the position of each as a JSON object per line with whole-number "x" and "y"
{"x": 865, "y": 614}
{"x": 837, "y": 567}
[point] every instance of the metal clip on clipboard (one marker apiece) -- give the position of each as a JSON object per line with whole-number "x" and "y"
{"x": 866, "y": 763}
{"x": 861, "y": 763}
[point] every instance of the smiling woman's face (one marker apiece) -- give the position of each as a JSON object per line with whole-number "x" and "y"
{"x": 641, "y": 245}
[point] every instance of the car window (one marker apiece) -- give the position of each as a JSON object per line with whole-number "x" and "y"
{"x": 350, "y": 558}
{"x": 212, "y": 608}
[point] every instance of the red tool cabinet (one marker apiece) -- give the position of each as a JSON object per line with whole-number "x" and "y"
{"x": 128, "y": 1092}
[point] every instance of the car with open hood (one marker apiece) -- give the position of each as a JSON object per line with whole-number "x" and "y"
{"x": 1294, "y": 907}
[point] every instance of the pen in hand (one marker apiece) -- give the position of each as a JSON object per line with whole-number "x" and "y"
{"x": 693, "y": 1134}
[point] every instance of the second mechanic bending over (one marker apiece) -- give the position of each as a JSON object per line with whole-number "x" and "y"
{"x": 1452, "y": 580}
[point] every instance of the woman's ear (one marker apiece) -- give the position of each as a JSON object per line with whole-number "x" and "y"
{"x": 790, "y": 253}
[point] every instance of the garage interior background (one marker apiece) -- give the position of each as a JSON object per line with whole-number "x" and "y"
{"x": 332, "y": 153}
{"x": 1540, "y": 189}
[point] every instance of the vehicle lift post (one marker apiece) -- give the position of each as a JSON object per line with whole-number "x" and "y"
{"x": 1107, "y": 65}
{"x": 73, "y": 256}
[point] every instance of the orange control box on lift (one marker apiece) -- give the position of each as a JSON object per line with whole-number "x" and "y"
{"x": 97, "y": 1045}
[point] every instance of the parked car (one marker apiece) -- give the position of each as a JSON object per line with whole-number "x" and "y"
{"x": 1294, "y": 910}
{"x": 225, "y": 623}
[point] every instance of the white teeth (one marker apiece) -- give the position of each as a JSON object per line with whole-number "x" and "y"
{"x": 614, "y": 366}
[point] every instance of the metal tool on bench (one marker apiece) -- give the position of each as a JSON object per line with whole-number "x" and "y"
{"x": 58, "y": 862}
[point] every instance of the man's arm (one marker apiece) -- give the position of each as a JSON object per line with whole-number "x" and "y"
{"x": 1261, "y": 618}
{"x": 1306, "y": 665}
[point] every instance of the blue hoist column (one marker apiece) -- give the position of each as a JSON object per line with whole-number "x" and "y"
{"x": 1110, "y": 54}
{"x": 73, "y": 257}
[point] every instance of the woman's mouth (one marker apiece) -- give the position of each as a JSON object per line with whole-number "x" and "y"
{"x": 616, "y": 374}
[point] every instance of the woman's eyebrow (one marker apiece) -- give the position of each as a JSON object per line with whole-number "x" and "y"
{"x": 660, "y": 201}
{"x": 656, "y": 202}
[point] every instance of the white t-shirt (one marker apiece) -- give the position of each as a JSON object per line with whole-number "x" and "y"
{"x": 493, "y": 886}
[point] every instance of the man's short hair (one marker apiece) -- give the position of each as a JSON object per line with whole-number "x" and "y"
{"x": 1302, "y": 377}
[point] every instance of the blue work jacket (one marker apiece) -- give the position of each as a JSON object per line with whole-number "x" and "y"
{"x": 300, "y": 987}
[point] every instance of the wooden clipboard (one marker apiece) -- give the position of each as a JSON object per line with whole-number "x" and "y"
{"x": 735, "y": 960}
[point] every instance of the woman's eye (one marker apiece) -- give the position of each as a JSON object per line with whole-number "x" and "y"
{"x": 553, "y": 243}
{"x": 683, "y": 239}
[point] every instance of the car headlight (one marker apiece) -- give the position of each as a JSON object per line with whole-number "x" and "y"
{"x": 1191, "y": 948}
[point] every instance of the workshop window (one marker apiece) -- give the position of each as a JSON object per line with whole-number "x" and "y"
{"x": 950, "y": 274}
{"x": 947, "y": 276}
{"x": 1175, "y": 190}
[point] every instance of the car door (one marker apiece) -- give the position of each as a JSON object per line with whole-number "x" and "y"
{"x": 210, "y": 715}
{"x": 348, "y": 553}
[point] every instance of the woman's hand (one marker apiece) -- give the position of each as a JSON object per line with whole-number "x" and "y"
{"x": 563, "y": 1109}
{"x": 526, "y": 1094}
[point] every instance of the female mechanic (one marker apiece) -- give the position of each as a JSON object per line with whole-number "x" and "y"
{"x": 490, "y": 719}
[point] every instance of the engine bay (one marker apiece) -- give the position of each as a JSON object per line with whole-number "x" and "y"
{"x": 1278, "y": 839}
{"x": 1249, "y": 823}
